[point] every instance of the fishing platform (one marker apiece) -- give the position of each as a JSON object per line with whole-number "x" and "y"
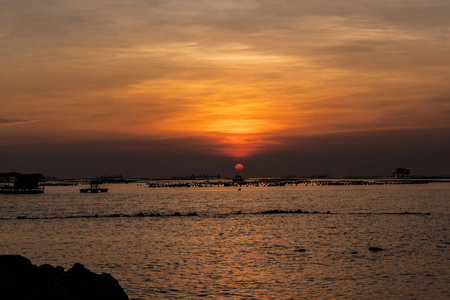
{"x": 17, "y": 183}
{"x": 94, "y": 188}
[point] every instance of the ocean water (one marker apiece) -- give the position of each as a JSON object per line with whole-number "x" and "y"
{"x": 219, "y": 254}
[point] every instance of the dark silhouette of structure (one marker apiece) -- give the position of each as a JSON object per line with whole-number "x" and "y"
{"x": 401, "y": 173}
{"x": 17, "y": 183}
{"x": 112, "y": 179}
{"x": 238, "y": 180}
{"x": 94, "y": 188}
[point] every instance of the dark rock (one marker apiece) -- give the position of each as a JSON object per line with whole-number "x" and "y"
{"x": 192, "y": 214}
{"x": 375, "y": 249}
{"x": 176, "y": 214}
{"x": 300, "y": 250}
{"x": 20, "y": 280}
{"x": 273, "y": 211}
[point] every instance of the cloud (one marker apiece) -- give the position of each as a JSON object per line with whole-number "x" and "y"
{"x": 424, "y": 151}
{"x": 216, "y": 69}
{"x": 11, "y": 122}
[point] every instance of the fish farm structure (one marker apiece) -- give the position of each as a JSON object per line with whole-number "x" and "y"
{"x": 17, "y": 183}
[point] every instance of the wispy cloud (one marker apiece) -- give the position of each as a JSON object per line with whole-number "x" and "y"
{"x": 11, "y": 122}
{"x": 197, "y": 68}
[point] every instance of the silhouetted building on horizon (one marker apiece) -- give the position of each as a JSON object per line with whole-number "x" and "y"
{"x": 94, "y": 187}
{"x": 17, "y": 183}
{"x": 238, "y": 180}
{"x": 112, "y": 179}
{"x": 401, "y": 173}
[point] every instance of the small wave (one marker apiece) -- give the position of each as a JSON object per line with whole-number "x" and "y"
{"x": 195, "y": 214}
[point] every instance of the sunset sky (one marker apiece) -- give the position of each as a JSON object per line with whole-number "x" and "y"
{"x": 173, "y": 87}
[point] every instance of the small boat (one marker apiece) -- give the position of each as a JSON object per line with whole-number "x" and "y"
{"x": 94, "y": 188}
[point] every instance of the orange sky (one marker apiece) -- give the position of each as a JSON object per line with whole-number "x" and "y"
{"x": 237, "y": 75}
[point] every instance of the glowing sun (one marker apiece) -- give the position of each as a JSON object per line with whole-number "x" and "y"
{"x": 239, "y": 167}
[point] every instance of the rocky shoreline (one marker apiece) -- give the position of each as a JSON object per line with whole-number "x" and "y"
{"x": 20, "y": 280}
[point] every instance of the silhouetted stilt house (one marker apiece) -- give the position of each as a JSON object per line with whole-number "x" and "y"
{"x": 238, "y": 180}
{"x": 94, "y": 188}
{"x": 401, "y": 173}
{"x": 17, "y": 183}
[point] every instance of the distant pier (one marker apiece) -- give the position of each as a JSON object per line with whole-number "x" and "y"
{"x": 279, "y": 182}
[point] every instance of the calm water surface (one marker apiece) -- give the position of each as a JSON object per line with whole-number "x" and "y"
{"x": 220, "y": 254}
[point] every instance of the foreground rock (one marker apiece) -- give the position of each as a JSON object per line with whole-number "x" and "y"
{"x": 20, "y": 279}
{"x": 375, "y": 249}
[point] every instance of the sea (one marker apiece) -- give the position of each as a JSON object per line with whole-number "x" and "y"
{"x": 301, "y": 241}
